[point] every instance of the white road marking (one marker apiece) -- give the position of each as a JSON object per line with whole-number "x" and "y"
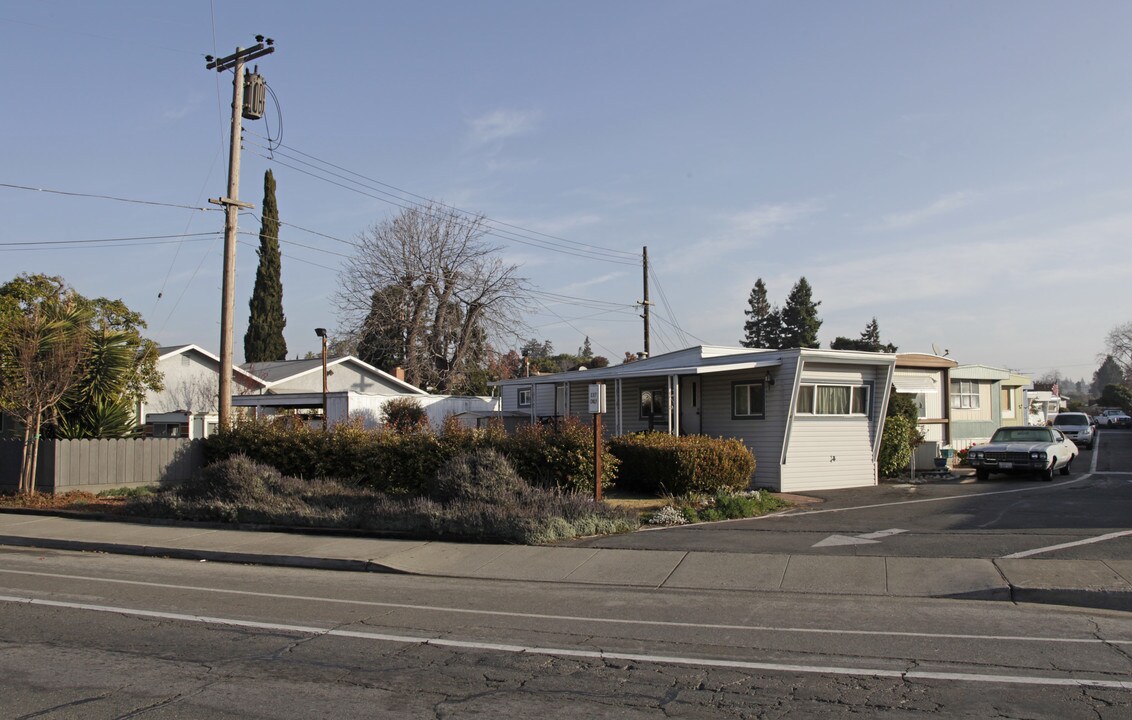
{"x": 578, "y": 618}
{"x": 591, "y": 654}
{"x": 866, "y": 539}
{"x": 841, "y": 540}
{"x": 1062, "y": 546}
{"x": 881, "y": 534}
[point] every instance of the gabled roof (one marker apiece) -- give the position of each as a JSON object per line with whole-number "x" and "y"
{"x": 174, "y": 350}
{"x": 274, "y": 373}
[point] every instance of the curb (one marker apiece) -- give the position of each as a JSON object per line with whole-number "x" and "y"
{"x": 223, "y": 556}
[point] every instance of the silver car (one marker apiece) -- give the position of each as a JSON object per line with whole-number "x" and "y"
{"x": 1024, "y": 449}
{"x": 1078, "y": 427}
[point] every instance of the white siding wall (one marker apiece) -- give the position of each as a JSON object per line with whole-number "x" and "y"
{"x": 763, "y": 437}
{"x": 341, "y": 378}
{"x": 367, "y": 408}
{"x": 192, "y": 382}
{"x": 834, "y": 452}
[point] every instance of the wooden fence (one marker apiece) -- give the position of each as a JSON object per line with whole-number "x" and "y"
{"x": 97, "y": 465}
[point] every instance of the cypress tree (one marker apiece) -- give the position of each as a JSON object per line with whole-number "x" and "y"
{"x": 263, "y": 342}
{"x": 800, "y": 321}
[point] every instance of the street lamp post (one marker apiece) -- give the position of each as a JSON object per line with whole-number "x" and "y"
{"x": 321, "y": 332}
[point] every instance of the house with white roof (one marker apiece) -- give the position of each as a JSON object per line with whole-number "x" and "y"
{"x": 813, "y": 418}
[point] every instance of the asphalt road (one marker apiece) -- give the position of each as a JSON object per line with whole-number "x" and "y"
{"x": 1087, "y": 515}
{"x": 94, "y": 636}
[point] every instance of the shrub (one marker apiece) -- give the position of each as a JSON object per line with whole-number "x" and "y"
{"x": 895, "y": 445}
{"x": 504, "y": 509}
{"x": 659, "y": 463}
{"x": 405, "y": 463}
{"x": 559, "y": 457}
{"x": 481, "y": 474}
{"x": 901, "y": 435}
{"x": 404, "y": 415}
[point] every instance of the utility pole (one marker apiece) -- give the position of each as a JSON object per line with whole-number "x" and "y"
{"x": 645, "y": 303}
{"x": 232, "y": 205}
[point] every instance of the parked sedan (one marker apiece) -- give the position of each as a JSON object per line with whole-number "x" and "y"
{"x": 1077, "y": 426}
{"x": 1024, "y": 449}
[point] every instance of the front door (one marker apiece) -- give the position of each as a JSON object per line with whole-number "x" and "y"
{"x": 690, "y": 405}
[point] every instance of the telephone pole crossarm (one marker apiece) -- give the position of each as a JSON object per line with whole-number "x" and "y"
{"x": 241, "y": 55}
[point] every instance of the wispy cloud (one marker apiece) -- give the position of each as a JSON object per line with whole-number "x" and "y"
{"x": 559, "y": 225}
{"x": 944, "y": 205}
{"x": 739, "y": 230}
{"x": 766, "y": 219}
{"x": 574, "y": 288}
{"x": 501, "y": 124}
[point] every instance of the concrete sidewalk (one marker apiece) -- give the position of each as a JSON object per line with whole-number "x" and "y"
{"x": 1084, "y": 583}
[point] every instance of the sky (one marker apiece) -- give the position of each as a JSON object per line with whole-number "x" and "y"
{"x": 960, "y": 171}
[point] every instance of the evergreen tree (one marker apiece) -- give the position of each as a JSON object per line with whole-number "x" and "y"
{"x": 263, "y": 342}
{"x": 586, "y": 352}
{"x": 763, "y": 328}
{"x": 382, "y": 339}
{"x": 800, "y": 321}
{"x": 869, "y": 341}
{"x": 1109, "y": 373}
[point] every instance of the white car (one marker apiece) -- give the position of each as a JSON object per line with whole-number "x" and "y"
{"x": 1024, "y": 449}
{"x": 1077, "y": 426}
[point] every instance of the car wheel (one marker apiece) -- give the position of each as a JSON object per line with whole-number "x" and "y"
{"x": 1068, "y": 465}
{"x": 982, "y": 474}
{"x": 1047, "y": 474}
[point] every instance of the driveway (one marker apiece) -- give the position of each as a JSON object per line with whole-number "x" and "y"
{"x": 1087, "y": 515}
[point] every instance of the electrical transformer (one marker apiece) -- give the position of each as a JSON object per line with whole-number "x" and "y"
{"x": 255, "y": 96}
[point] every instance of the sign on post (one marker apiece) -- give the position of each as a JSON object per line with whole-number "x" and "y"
{"x": 597, "y": 398}
{"x": 597, "y": 407}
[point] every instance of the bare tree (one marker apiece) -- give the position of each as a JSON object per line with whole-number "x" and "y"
{"x": 42, "y": 349}
{"x": 195, "y": 394}
{"x": 425, "y": 291}
{"x": 1119, "y": 342}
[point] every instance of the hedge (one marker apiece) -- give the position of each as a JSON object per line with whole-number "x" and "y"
{"x": 406, "y": 463}
{"x": 660, "y": 463}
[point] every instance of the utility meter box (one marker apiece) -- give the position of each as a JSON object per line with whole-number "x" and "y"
{"x": 255, "y": 96}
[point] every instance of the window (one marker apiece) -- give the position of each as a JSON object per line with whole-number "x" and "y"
{"x": 654, "y": 404}
{"x": 524, "y": 397}
{"x": 816, "y": 399}
{"x": 964, "y": 395}
{"x": 748, "y": 400}
{"x": 921, "y": 400}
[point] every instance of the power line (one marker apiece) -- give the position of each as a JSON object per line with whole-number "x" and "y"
{"x": 668, "y": 307}
{"x": 682, "y": 331}
{"x": 109, "y": 240}
{"x": 497, "y": 229}
{"x": 298, "y": 244}
{"x": 410, "y": 205}
{"x": 106, "y": 197}
{"x": 292, "y": 257}
{"x": 575, "y": 327}
{"x": 426, "y": 200}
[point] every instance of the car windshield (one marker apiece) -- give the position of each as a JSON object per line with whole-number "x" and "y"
{"x": 1022, "y": 434}
{"x": 1070, "y": 419}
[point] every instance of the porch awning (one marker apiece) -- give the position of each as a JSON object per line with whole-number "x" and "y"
{"x": 913, "y": 385}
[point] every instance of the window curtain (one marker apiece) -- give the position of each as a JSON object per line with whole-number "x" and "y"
{"x": 832, "y": 400}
